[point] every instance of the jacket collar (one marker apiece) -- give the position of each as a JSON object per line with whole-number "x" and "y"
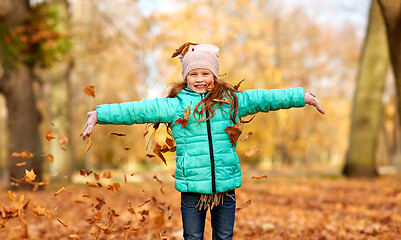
{"x": 188, "y": 91}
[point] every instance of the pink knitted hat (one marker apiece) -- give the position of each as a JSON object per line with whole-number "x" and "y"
{"x": 200, "y": 56}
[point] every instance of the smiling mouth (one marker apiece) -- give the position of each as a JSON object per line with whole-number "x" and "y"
{"x": 200, "y": 86}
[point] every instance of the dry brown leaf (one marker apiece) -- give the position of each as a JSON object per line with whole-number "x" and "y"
{"x": 30, "y": 175}
{"x": 20, "y": 164}
{"x": 63, "y": 148}
{"x": 100, "y": 202}
{"x": 90, "y": 90}
{"x": 184, "y": 121}
{"x": 210, "y": 86}
{"x": 117, "y": 186}
{"x": 39, "y": 211}
{"x": 151, "y": 199}
{"x": 125, "y": 178}
{"x": 245, "y": 205}
{"x": 170, "y": 142}
{"x": 260, "y": 177}
{"x": 107, "y": 175}
{"x": 183, "y": 49}
{"x": 157, "y": 179}
{"x": 62, "y": 139}
{"x": 238, "y": 84}
{"x": 97, "y": 177}
{"x": 250, "y": 134}
{"x": 92, "y": 185}
{"x": 65, "y": 225}
{"x": 26, "y": 155}
{"x": 126, "y": 148}
{"x": 150, "y": 155}
{"x": 49, "y": 135}
{"x": 157, "y": 151}
{"x": 50, "y": 157}
{"x": 60, "y": 191}
{"x": 85, "y": 172}
{"x": 116, "y": 134}
{"x": 221, "y": 101}
{"x": 89, "y": 144}
{"x": 233, "y": 133}
{"x": 53, "y": 124}
{"x": 251, "y": 151}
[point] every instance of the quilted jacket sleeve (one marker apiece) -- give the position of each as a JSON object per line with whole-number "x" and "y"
{"x": 145, "y": 111}
{"x": 261, "y": 100}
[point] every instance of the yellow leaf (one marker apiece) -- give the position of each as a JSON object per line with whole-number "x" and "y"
{"x": 30, "y": 175}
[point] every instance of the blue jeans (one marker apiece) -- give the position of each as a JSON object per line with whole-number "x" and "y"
{"x": 193, "y": 219}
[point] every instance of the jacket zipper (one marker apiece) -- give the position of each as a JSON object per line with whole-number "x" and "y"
{"x": 209, "y": 136}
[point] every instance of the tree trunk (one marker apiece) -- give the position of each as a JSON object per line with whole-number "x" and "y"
{"x": 23, "y": 121}
{"x": 391, "y": 11}
{"x": 23, "y": 116}
{"x": 367, "y": 109}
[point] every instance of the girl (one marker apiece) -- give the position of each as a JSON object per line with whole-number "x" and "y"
{"x": 202, "y": 112}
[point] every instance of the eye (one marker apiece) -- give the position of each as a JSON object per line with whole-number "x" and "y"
{"x": 206, "y": 73}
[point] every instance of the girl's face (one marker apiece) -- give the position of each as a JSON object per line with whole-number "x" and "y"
{"x": 197, "y": 80}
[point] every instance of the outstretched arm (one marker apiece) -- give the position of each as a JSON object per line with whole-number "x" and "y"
{"x": 161, "y": 110}
{"x": 312, "y": 100}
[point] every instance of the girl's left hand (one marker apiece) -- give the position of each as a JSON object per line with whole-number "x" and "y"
{"x": 312, "y": 100}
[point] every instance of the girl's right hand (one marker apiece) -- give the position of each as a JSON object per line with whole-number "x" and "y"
{"x": 92, "y": 121}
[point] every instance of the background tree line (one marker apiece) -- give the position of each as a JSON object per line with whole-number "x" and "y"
{"x": 51, "y": 50}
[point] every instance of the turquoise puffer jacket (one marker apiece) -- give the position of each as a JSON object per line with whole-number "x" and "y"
{"x": 206, "y": 160}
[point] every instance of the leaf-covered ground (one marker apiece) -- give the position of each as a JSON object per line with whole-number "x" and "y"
{"x": 148, "y": 208}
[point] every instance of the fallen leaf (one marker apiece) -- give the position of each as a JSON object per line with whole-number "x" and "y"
{"x": 183, "y": 49}
{"x": 238, "y": 84}
{"x": 89, "y": 144}
{"x": 107, "y": 175}
{"x": 90, "y": 90}
{"x": 246, "y": 204}
{"x": 233, "y": 133}
{"x": 50, "y": 157}
{"x": 156, "y": 150}
{"x": 157, "y": 179}
{"x": 30, "y": 175}
{"x": 221, "y": 101}
{"x": 116, "y": 134}
{"x": 62, "y": 139}
{"x": 49, "y": 135}
{"x": 259, "y": 177}
{"x": 65, "y": 225}
{"x": 250, "y": 134}
{"x": 60, "y": 191}
{"x": 170, "y": 142}
{"x": 184, "y": 121}
{"x": 210, "y": 86}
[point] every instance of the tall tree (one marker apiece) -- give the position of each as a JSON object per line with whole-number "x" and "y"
{"x": 367, "y": 109}
{"x": 391, "y": 10}
{"x": 16, "y": 85}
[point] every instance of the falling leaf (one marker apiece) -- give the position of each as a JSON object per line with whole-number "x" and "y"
{"x": 97, "y": 177}
{"x": 39, "y": 211}
{"x": 50, "y": 157}
{"x": 20, "y": 164}
{"x": 85, "y": 172}
{"x": 132, "y": 174}
{"x": 151, "y": 199}
{"x": 170, "y": 212}
{"x": 52, "y": 124}
{"x": 116, "y": 134}
{"x": 90, "y": 91}
{"x": 89, "y": 144}
{"x": 22, "y": 218}
{"x": 92, "y": 185}
{"x": 150, "y": 155}
{"x": 125, "y": 178}
{"x": 117, "y": 186}
{"x": 250, "y": 134}
{"x": 60, "y": 191}
{"x": 157, "y": 179}
{"x": 221, "y": 101}
{"x": 26, "y": 155}
{"x": 100, "y": 202}
{"x": 184, "y": 121}
{"x": 246, "y": 204}
{"x": 247, "y": 121}
{"x": 62, "y": 222}
{"x": 63, "y": 148}
{"x": 183, "y": 49}
{"x": 170, "y": 142}
{"x": 161, "y": 190}
{"x": 156, "y": 150}
{"x": 62, "y": 139}
{"x": 30, "y": 175}
{"x": 15, "y": 154}
{"x": 238, "y": 84}
{"x": 259, "y": 177}
{"x": 233, "y": 133}
{"x": 164, "y": 149}
{"x": 49, "y": 135}
{"x": 210, "y": 86}
{"x": 251, "y": 152}
{"x": 107, "y": 175}
{"x": 126, "y": 148}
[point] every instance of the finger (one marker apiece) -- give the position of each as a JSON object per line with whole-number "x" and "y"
{"x": 321, "y": 110}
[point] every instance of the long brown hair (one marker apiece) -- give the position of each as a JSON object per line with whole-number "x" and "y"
{"x": 221, "y": 90}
